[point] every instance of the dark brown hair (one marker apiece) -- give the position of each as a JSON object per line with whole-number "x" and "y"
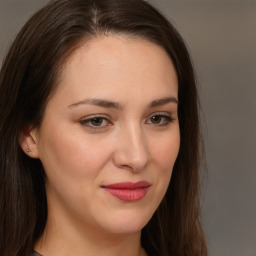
{"x": 28, "y": 77}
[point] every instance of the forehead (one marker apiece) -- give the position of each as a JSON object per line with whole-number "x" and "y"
{"x": 117, "y": 64}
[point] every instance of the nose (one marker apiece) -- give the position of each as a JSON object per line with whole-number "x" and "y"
{"x": 131, "y": 150}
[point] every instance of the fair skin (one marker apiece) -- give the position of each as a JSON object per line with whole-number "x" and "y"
{"x": 113, "y": 119}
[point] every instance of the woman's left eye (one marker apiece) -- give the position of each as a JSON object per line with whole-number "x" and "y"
{"x": 159, "y": 120}
{"x": 95, "y": 122}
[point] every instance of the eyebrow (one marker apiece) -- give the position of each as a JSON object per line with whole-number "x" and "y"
{"x": 111, "y": 104}
{"x": 97, "y": 102}
{"x": 161, "y": 102}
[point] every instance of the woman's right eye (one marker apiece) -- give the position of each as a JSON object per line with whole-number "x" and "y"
{"x": 95, "y": 122}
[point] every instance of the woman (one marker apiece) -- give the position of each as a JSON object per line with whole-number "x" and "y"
{"x": 99, "y": 135}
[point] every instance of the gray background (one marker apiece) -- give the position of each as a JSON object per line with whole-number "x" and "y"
{"x": 221, "y": 36}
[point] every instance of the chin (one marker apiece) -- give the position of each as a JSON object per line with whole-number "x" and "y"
{"x": 127, "y": 223}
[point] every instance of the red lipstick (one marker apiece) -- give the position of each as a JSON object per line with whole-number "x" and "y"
{"x": 128, "y": 191}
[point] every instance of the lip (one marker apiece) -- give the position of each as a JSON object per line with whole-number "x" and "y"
{"x": 128, "y": 191}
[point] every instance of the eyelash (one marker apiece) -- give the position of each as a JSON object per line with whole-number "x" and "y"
{"x": 88, "y": 121}
{"x": 167, "y": 119}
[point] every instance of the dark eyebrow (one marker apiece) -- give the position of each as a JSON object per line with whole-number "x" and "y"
{"x": 97, "y": 102}
{"x": 110, "y": 104}
{"x": 161, "y": 102}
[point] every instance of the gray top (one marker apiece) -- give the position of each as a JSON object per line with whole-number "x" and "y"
{"x": 36, "y": 254}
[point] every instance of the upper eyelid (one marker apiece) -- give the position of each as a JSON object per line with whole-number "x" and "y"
{"x": 163, "y": 113}
{"x": 89, "y": 117}
{"x": 160, "y": 113}
{"x": 106, "y": 117}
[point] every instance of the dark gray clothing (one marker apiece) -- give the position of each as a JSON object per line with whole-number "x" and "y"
{"x": 36, "y": 254}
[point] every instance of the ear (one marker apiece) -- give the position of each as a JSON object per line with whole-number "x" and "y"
{"x": 29, "y": 142}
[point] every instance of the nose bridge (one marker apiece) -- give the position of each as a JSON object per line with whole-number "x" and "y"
{"x": 132, "y": 149}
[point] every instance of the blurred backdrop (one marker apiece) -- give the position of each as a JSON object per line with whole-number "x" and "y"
{"x": 221, "y": 36}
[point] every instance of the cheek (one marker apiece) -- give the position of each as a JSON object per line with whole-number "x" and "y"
{"x": 164, "y": 154}
{"x": 165, "y": 149}
{"x": 73, "y": 164}
{"x": 70, "y": 154}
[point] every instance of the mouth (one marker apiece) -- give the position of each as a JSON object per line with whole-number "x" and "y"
{"x": 128, "y": 191}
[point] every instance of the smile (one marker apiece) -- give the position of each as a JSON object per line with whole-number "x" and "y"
{"x": 128, "y": 191}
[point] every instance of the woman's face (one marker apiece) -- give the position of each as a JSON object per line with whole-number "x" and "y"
{"x": 110, "y": 135}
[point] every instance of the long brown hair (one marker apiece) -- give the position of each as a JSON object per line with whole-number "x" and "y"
{"x": 28, "y": 77}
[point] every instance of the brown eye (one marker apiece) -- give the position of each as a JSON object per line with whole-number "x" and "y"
{"x": 156, "y": 119}
{"x": 97, "y": 121}
{"x": 159, "y": 120}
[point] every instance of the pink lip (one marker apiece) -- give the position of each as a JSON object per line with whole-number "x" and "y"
{"x": 128, "y": 191}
